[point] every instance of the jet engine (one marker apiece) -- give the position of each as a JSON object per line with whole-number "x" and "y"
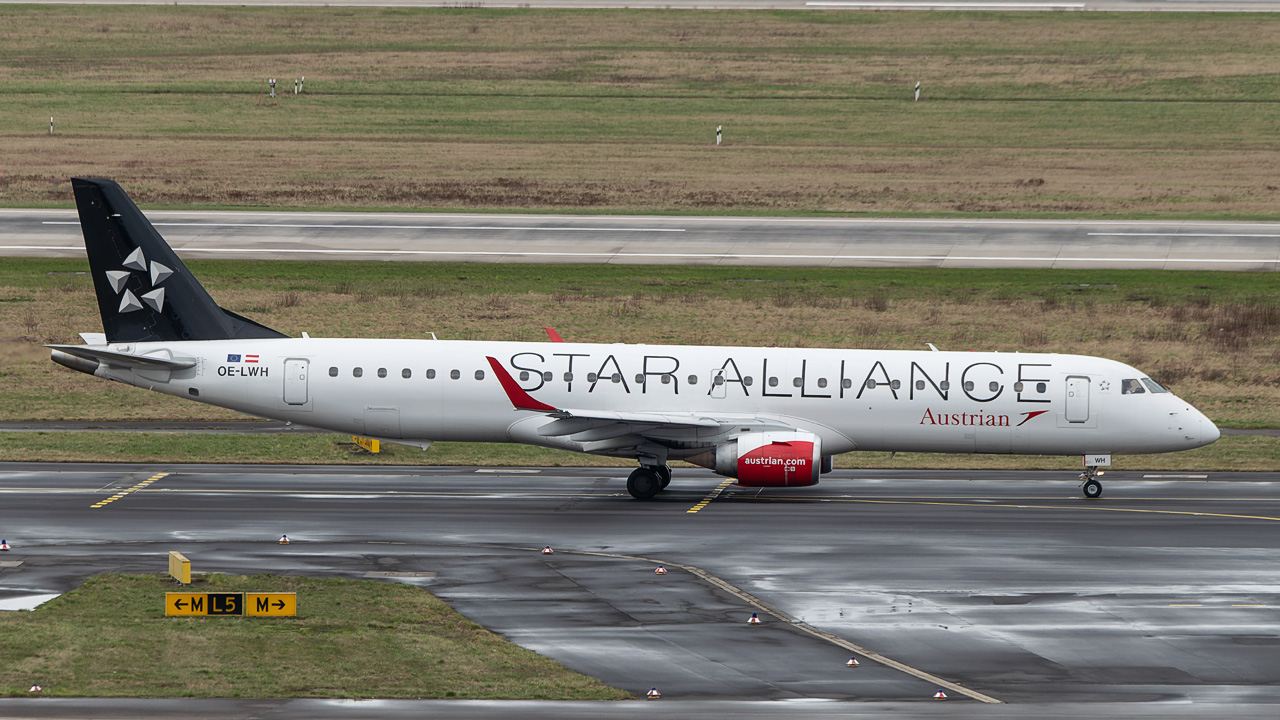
{"x": 767, "y": 459}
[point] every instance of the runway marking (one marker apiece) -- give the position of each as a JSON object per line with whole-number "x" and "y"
{"x": 710, "y": 496}
{"x": 1177, "y": 234}
{"x": 1249, "y": 606}
{"x": 1201, "y": 477}
{"x": 795, "y": 622}
{"x": 1039, "y": 260}
{"x": 304, "y": 226}
{"x": 1186, "y": 605}
{"x": 133, "y": 489}
{"x": 1033, "y": 507}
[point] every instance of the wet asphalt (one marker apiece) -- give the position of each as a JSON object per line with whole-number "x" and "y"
{"x": 1009, "y": 585}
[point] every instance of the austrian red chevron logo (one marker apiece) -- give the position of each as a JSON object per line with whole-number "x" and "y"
{"x": 1030, "y": 415}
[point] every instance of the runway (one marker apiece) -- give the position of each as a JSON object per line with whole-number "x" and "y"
{"x": 819, "y": 242}
{"x": 1006, "y": 585}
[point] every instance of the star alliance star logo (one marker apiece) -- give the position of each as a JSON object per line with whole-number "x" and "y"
{"x": 130, "y": 302}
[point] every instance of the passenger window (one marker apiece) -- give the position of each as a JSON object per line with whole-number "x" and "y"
{"x": 796, "y": 382}
{"x": 524, "y": 375}
{"x": 357, "y": 372}
{"x": 1155, "y": 386}
{"x": 993, "y": 386}
{"x": 871, "y": 384}
{"x": 382, "y": 372}
{"x": 592, "y": 377}
{"x": 546, "y": 376}
{"x": 846, "y": 383}
{"x": 896, "y": 384}
{"x": 968, "y": 385}
{"x": 1041, "y": 388}
{"x": 479, "y": 374}
{"x": 406, "y": 373}
{"x": 666, "y": 378}
{"x": 747, "y": 381}
{"x": 639, "y": 379}
{"x": 617, "y": 377}
{"x": 333, "y": 372}
{"x": 1017, "y": 387}
{"x": 773, "y": 382}
{"x": 945, "y": 385}
{"x": 431, "y": 374}
{"x": 1131, "y": 386}
{"x": 822, "y": 382}
{"x": 454, "y": 374}
{"x": 919, "y": 384}
{"x": 718, "y": 380}
{"x": 693, "y": 379}
{"x": 568, "y": 377}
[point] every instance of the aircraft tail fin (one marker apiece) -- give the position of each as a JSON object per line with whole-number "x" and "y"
{"x": 144, "y": 291}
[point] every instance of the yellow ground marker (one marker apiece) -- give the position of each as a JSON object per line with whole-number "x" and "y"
{"x": 710, "y": 496}
{"x": 126, "y": 491}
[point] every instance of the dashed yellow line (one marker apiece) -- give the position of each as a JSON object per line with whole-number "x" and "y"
{"x": 710, "y": 496}
{"x": 126, "y": 491}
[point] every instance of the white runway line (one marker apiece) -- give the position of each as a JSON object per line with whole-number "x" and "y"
{"x": 958, "y": 5}
{"x": 391, "y": 227}
{"x": 1182, "y": 235}
{"x": 690, "y": 256}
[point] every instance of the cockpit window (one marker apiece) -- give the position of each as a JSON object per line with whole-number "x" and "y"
{"x": 1153, "y": 385}
{"x": 1131, "y": 386}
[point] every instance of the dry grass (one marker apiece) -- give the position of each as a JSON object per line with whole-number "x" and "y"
{"x": 615, "y": 111}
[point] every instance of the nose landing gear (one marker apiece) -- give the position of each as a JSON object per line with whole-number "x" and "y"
{"x": 1089, "y": 482}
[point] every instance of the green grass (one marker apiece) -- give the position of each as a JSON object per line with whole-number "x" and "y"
{"x": 1036, "y": 114}
{"x": 1238, "y": 453}
{"x": 350, "y": 639}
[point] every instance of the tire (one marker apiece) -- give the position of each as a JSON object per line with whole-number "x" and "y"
{"x": 644, "y": 483}
{"x": 664, "y": 474}
{"x": 1092, "y": 488}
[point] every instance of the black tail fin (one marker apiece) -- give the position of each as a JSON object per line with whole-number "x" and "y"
{"x": 145, "y": 293}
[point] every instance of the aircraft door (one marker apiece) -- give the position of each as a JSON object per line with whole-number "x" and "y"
{"x": 718, "y": 387}
{"x": 295, "y": 382}
{"x": 1077, "y": 399}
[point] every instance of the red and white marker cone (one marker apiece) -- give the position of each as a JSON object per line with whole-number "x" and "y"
{"x": 660, "y": 571}
{"x": 4, "y": 545}
{"x": 653, "y": 694}
{"x": 939, "y": 695}
{"x": 853, "y": 662}
{"x": 35, "y": 688}
{"x": 755, "y": 619}
{"x": 548, "y": 551}
{"x": 284, "y": 539}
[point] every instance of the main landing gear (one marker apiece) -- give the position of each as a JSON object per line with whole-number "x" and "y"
{"x": 1089, "y": 482}
{"x": 648, "y": 480}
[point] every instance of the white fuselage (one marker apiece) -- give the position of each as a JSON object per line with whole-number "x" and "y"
{"x": 425, "y": 390}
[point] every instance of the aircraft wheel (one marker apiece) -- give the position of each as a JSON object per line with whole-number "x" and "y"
{"x": 664, "y": 474}
{"x": 1092, "y": 488}
{"x": 644, "y": 483}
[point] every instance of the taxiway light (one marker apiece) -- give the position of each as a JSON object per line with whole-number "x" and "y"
{"x": 939, "y": 695}
{"x": 4, "y": 544}
{"x": 35, "y": 688}
{"x": 284, "y": 539}
{"x": 660, "y": 571}
{"x": 547, "y": 550}
{"x": 755, "y": 619}
{"x": 853, "y": 662}
{"x": 653, "y": 694}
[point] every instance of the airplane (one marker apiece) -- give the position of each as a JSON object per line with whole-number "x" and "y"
{"x": 769, "y": 417}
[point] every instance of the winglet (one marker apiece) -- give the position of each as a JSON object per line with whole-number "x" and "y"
{"x": 516, "y": 394}
{"x": 555, "y": 336}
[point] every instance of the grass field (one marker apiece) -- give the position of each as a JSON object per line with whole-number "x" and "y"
{"x": 1098, "y": 114}
{"x": 350, "y": 639}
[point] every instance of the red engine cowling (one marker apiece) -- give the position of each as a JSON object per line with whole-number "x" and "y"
{"x": 768, "y": 459}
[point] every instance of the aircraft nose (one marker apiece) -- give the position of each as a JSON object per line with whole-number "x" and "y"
{"x": 1209, "y": 433}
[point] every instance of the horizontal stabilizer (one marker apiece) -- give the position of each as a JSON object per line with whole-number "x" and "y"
{"x": 125, "y": 360}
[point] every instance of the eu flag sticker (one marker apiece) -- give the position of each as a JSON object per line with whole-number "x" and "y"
{"x": 233, "y": 358}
